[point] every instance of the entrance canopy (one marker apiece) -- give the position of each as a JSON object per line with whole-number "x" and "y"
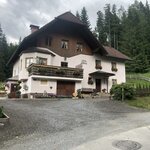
{"x": 101, "y": 74}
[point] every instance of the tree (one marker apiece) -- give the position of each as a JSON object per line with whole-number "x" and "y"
{"x": 3, "y": 54}
{"x": 84, "y": 17}
{"x": 101, "y": 35}
{"x": 77, "y": 15}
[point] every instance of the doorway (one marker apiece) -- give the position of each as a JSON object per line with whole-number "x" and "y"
{"x": 98, "y": 85}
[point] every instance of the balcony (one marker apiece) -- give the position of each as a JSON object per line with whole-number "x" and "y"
{"x": 55, "y": 71}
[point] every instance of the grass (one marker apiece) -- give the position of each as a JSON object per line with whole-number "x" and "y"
{"x": 139, "y": 74}
{"x": 140, "y": 102}
{"x": 133, "y": 79}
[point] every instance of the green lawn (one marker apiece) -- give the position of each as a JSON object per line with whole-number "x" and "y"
{"x": 139, "y": 74}
{"x": 141, "y": 102}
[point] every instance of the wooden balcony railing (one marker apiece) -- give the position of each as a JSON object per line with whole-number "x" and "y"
{"x": 48, "y": 70}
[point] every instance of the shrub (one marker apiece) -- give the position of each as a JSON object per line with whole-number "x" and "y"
{"x": 1, "y": 112}
{"x": 2, "y": 86}
{"x": 122, "y": 91}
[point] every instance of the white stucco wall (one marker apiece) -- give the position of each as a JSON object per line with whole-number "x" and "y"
{"x": 88, "y": 67}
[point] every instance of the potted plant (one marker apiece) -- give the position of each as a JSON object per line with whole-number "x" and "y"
{"x": 3, "y": 117}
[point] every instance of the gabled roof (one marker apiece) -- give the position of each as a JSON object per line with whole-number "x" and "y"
{"x": 68, "y": 16}
{"x": 72, "y": 21}
{"x": 111, "y": 52}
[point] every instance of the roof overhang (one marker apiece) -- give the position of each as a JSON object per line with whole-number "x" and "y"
{"x": 101, "y": 74}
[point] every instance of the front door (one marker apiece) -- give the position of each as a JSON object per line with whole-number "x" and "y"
{"x": 98, "y": 85}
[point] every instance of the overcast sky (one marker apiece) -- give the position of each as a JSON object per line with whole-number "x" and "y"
{"x": 17, "y": 15}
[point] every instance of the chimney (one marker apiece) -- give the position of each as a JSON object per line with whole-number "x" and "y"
{"x": 34, "y": 28}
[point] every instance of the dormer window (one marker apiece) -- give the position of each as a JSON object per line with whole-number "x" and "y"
{"x": 64, "y": 44}
{"x": 79, "y": 47}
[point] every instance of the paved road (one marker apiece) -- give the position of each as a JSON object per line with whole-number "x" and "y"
{"x": 64, "y": 124}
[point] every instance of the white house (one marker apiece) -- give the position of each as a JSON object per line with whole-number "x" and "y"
{"x": 62, "y": 57}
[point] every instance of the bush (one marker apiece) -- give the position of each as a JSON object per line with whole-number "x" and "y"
{"x": 1, "y": 112}
{"x": 2, "y": 86}
{"x": 122, "y": 91}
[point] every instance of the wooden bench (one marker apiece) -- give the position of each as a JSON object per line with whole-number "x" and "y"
{"x": 85, "y": 92}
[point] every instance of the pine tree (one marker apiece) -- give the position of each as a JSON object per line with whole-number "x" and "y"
{"x": 3, "y": 54}
{"x": 101, "y": 35}
{"x": 77, "y": 15}
{"x": 84, "y": 17}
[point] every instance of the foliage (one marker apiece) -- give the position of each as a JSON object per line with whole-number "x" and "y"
{"x": 77, "y": 15}
{"x": 122, "y": 91}
{"x": 84, "y": 17}
{"x": 128, "y": 31}
{"x": 141, "y": 102}
{"x": 6, "y": 51}
{"x": 1, "y": 112}
{"x": 2, "y": 87}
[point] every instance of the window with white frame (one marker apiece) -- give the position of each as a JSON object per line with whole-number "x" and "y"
{"x": 29, "y": 61}
{"x": 98, "y": 64}
{"x": 44, "y": 82}
{"x": 42, "y": 61}
{"x": 114, "y": 66}
{"x": 21, "y": 64}
{"x": 64, "y": 44}
{"x": 114, "y": 81}
{"x": 79, "y": 47}
{"x": 48, "y": 41}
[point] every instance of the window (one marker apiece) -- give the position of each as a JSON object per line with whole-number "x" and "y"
{"x": 29, "y": 61}
{"x": 114, "y": 66}
{"x": 43, "y": 82}
{"x": 48, "y": 41}
{"x": 41, "y": 61}
{"x": 98, "y": 64}
{"x": 114, "y": 81}
{"x": 79, "y": 47}
{"x": 21, "y": 64}
{"x": 64, "y": 64}
{"x": 64, "y": 44}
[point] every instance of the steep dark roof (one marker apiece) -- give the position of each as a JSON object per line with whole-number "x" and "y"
{"x": 111, "y": 52}
{"x": 71, "y": 21}
{"x": 68, "y": 16}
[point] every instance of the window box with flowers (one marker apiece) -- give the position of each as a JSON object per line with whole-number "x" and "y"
{"x": 98, "y": 64}
{"x": 90, "y": 81}
{"x": 76, "y": 73}
{"x": 114, "y": 66}
{"x": 60, "y": 72}
{"x": 114, "y": 69}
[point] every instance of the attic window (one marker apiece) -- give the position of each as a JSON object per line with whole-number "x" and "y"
{"x": 64, "y": 44}
{"x": 48, "y": 41}
{"x": 79, "y": 47}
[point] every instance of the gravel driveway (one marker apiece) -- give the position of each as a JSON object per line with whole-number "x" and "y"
{"x": 65, "y": 123}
